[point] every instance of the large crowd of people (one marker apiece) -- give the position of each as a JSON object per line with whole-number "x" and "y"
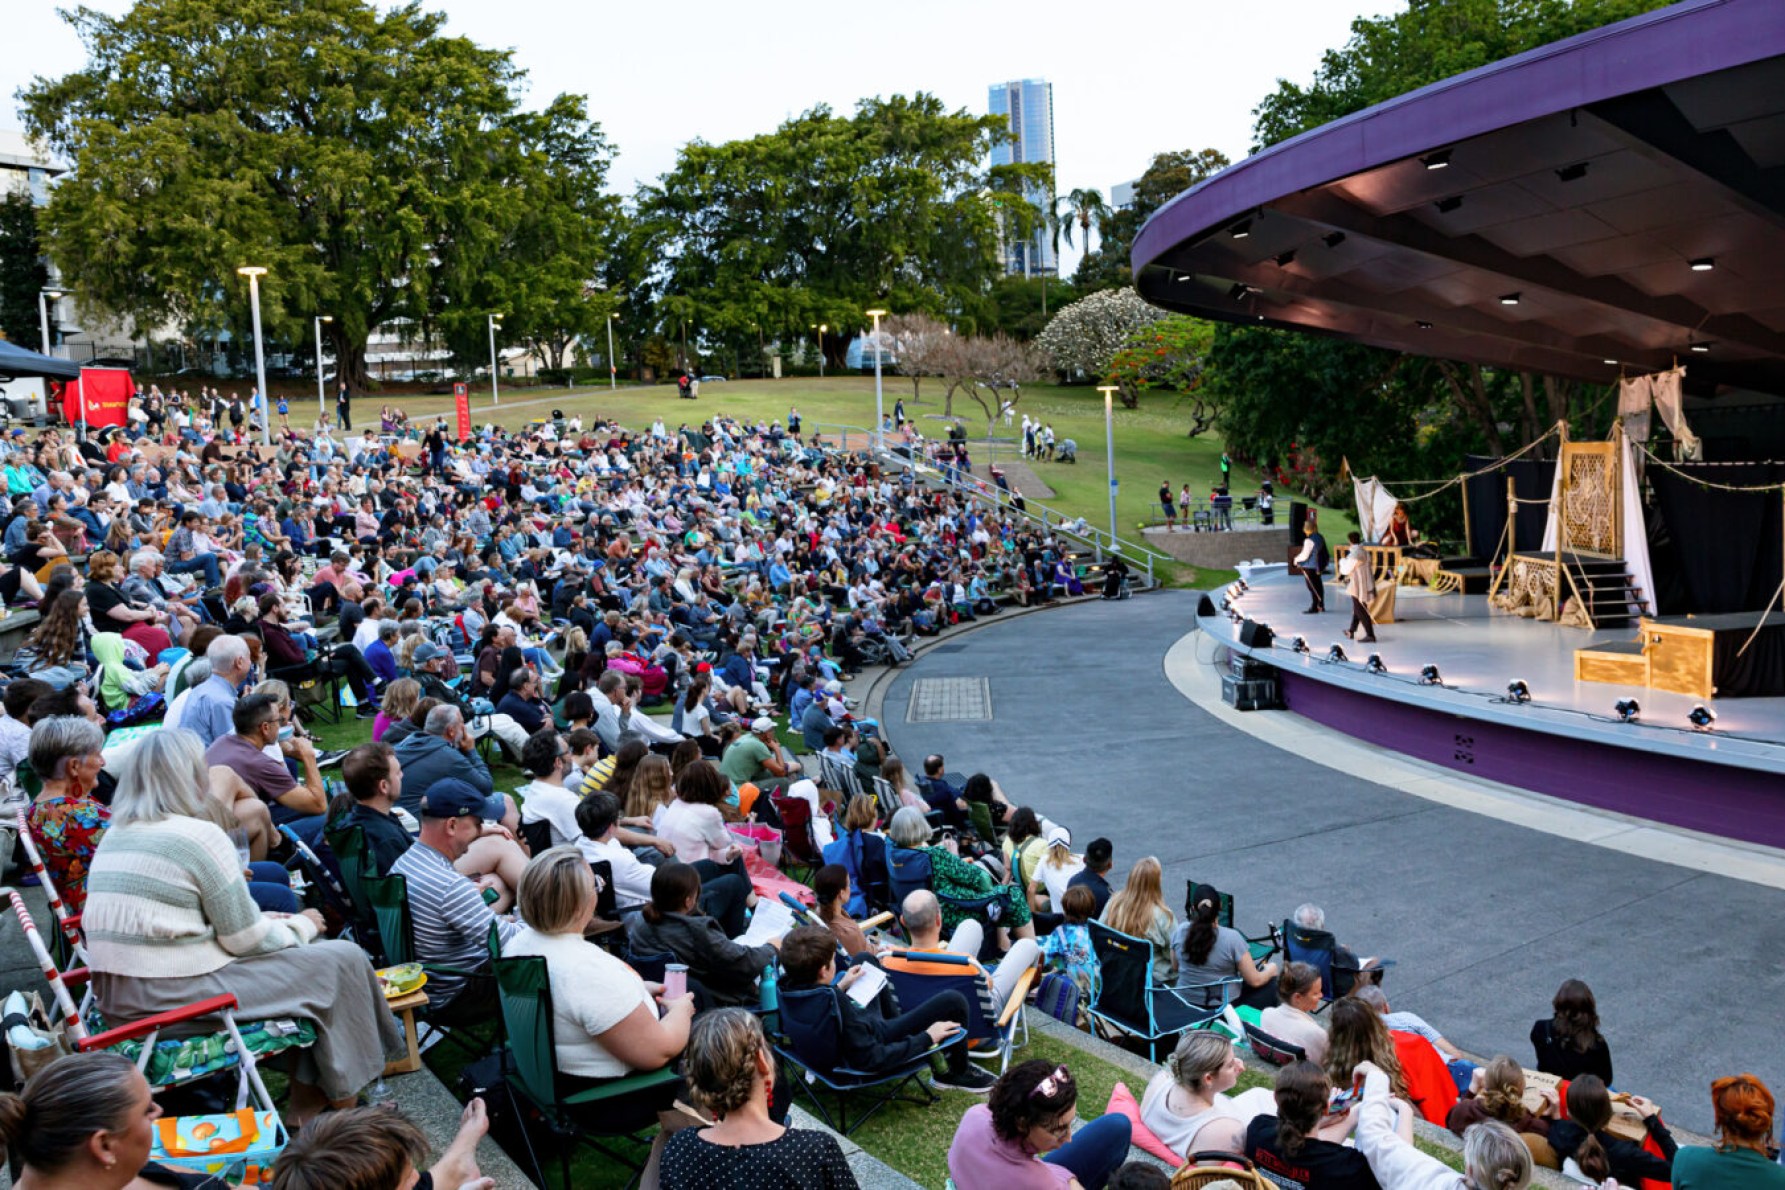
{"x": 639, "y": 623}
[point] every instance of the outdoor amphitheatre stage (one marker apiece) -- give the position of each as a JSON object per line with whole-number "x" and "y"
{"x": 1567, "y": 742}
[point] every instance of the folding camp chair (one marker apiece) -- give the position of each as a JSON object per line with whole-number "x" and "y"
{"x": 69, "y": 945}
{"x": 1272, "y": 1049}
{"x": 524, "y": 991}
{"x": 799, "y": 845}
{"x": 909, "y": 869}
{"x": 987, "y": 1037}
{"x": 353, "y": 859}
{"x": 867, "y": 860}
{"x": 1320, "y": 950}
{"x": 808, "y": 1035}
{"x": 888, "y": 797}
{"x": 388, "y": 897}
{"x": 841, "y": 778}
{"x": 1128, "y": 1001}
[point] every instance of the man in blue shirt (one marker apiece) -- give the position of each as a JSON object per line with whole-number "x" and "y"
{"x": 210, "y": 710}
{"x": 942, "y": 797}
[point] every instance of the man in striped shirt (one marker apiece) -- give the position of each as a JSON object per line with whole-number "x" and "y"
{"x": 452, "y": 922}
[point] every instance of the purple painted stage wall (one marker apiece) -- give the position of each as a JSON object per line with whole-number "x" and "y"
{"x": 1734, "y": 803}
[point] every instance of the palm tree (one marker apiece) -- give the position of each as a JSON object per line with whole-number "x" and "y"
{"x": 1082, "y": 207}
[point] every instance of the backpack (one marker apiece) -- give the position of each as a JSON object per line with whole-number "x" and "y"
{"x": 1057, "y": 995}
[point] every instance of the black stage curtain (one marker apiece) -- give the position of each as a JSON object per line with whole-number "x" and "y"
{"x": 1758, "y": 673}
{"x": 1727, "y": 543}
{"x": 1486, "y": 498}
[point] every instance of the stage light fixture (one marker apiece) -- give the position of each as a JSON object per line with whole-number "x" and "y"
{"x": 1438, "y": 160}
{"x": 1242, "y": 229}
{"x": 1243, "y": 585}
{"x": 1183, "y": 277}
{"x": 1336, "y": 653}
{"x": 1704, "y": 264}
{"x": 1333, "y": 239}
{"x": 1300, "y": 645}
{"x": 1423, "y": 325}
{"x": 1429, "y": 676}
{"x": 1517, "y": 691}
{"x": 1701, "y": 717}
{"x": 1509, "y": 299}
{"x": 1572, "y": 173}
{"x": 1701, "y": 348}
{"x": 1374, "y": 664}
{"x": 1611, "y": 362}
{"x": 1447, "y": 205}
{"x": 1628, "y": 710}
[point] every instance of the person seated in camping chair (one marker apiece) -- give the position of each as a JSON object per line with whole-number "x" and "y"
{"x": 879, "y": 1037}
{"x": 921, "y": 915}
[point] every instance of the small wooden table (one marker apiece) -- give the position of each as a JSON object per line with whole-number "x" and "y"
{"x": 404, "y": 1007}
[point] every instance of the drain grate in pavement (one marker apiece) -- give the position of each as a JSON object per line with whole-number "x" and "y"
{"x": 949, "y": 700}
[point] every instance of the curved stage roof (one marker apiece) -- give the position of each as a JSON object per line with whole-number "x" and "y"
{"x": 1543, "y": 212}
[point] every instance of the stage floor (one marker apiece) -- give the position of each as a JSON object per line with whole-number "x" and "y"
{"x": 1478, "y": 650}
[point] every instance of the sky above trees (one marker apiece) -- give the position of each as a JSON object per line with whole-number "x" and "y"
{"x": 1131, "y": 77}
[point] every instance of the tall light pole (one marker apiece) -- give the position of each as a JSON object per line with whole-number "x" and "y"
{"x": 612, "y": 383}
{"x": 495, "y": 392}
{"x": 254, "y": 273}
{"x": 879, "y": 404}
{"x": 1109, "y": 439}
{"x": 822, "y": 327}
{"x": 321, "y": 401}
{"x": 44, "y": 297}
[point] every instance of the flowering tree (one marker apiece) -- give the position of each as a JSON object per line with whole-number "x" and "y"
{"x": 1167, "y": 355}
{"x": 917, "y": 345}
{"x": 1083, "y": 338}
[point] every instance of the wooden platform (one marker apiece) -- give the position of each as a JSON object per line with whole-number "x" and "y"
{"x": 1618, "y": 662}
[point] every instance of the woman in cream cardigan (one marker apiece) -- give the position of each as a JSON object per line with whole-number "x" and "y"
{"x": 169, "y": 921}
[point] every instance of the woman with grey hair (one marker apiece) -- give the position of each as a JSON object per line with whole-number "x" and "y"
{"x": 1494, "y": 1158}
{"x": 201, "y": 935}
{"x": 953, "y": 878}
{"x": 66, "y": 820}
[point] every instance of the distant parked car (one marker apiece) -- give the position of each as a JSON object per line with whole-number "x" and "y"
{"x": 712, "y": 380}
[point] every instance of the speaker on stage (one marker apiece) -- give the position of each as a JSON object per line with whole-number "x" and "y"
{"x": 1298, "y": 532}
{"x": 1255, "y": 635}
{"x": 1206, "y": 607}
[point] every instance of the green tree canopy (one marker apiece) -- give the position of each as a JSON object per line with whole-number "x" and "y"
{"x": 1168, "y": 176}
{"x": 380, "y": 169}
{"x": 829, "y": 215}
{"x": 22, "y": 275}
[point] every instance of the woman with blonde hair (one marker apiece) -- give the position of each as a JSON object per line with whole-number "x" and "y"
{"x": 649, "y": 791}
{"x": 893, "y": 770}
{"x": 1186, "y": 1105}
{"x": 1140, "y": 911}
{"x": 397, "y": 705}
{"x": 1497, "y": 1092}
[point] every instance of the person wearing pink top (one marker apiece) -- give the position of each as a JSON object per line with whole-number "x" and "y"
{"x": 1022, "y": 1139}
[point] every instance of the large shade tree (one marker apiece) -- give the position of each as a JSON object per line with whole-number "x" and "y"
{"x": 380, "y": 169}
{"x": 827, "y": 216}
{"x": 22, "y": 275}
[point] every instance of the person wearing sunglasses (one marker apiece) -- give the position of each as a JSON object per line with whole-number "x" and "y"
{"x": 1022, "y": 1139}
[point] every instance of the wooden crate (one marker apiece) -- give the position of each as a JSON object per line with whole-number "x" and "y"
{"x": 1680, "y": 658}
{"x": 1617, "y": 662}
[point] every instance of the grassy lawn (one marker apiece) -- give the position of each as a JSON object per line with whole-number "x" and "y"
{"x": 1151, "y": 442}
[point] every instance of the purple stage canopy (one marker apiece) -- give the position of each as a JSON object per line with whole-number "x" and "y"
{"x": 1544, "y": 212}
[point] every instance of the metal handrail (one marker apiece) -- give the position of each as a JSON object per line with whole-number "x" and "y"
{"x": 1056, "y": 521}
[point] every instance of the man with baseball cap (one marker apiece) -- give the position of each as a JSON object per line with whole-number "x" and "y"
{"x": 758, "y": 759}
{"x": 429, "y": 666}
{"x": 451, "y": 920}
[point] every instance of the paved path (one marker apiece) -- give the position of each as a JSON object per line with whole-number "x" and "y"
{"x": 1485, "y": 917}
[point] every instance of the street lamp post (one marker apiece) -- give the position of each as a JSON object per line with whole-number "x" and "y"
{"x": 1109, "y": 439}
{"x": 254, "y": 273}
{"x": 822, "y": 327}
{"x": 495, "y": 392}
{"x": 879, "y": 405}
{"x": 43, "y": 314}
{"x": 321, "y": 401}
{"x": 612, "y": 382}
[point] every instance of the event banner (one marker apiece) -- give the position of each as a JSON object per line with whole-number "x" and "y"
{"x": 101, "y": 396}
{"x": 461, "y": 395}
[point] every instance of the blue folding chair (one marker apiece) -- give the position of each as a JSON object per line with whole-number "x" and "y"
{"x": 1128, "y": 1001}
{"x": 987, "y": 1037}
{"x": 1320, "y": 950}
{"x": 808, "y": 1034}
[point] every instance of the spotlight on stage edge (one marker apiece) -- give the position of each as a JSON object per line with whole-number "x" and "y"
{"x": 1300, "y": 645}
{"x": 1429, "y": 676}
{"x": 1374, "y": 664}
{"x": 1517, "y": 691}
{"x": 1628, "y": 709}
{"x": 1702, "y": 717}
{"x": 1336, "y": 653}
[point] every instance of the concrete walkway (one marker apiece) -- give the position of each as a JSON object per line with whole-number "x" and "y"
{"x": 1485, "y": 916}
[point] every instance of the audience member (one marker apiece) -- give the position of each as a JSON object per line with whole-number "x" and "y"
{"x": 1348, "y": 969}
{"x": 1497, "y": 1092}
{"x": 1100, "y": 856}
{"x": 1418, "y": 1072}
{"x": 371, "y": 1148}
{"x": 957, "y": 878}
{"x": 1301, "y": 1141}
{"x": 1186, "y": 1104}
{"x": 442, "y": 750}
{"x": 210, "y": 712}
{"x": 922, "y": 918}
{"x": 1028, "y": 1122}
{"x": 724, "y": 895}
{"x": 303, "y": 806}
{"x": 879, "y": 1037}
{"x": 1068, "y": 948}
{"x": 1743, "y": 1156}
{"x": 86, "y": 1121}
{"x": 1494, "y": 1158}
{"x": 65, "y": 818}
{"x": 1568, "y": 1044}
{"x": 730, "y": 1070}
{"x": 1056, "y": 870}
{"x": 1209, "y": 953}
{"x": 1140, "y": 911}
{"x": 676, "y": 923}
{"x": 1598, "y": 1154}
{"x": 831, "y": 888}
{"x": 1292, "y": 1019}
{"x": 204, "y": 935}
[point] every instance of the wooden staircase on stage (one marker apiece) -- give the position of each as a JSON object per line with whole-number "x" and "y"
{"x": 1580, "y": 590}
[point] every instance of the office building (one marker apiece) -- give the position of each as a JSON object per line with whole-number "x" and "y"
{"x": 1027, "y": 105}
{"x": 1121, "y": 195}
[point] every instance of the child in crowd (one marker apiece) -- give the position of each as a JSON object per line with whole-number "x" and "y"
{"x": 1068, "y": 948}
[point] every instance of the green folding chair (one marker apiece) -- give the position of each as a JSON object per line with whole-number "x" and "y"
{"x": 388, "y": 897}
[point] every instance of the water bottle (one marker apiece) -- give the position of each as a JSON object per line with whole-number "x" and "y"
{"x": 771, "y": 999}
